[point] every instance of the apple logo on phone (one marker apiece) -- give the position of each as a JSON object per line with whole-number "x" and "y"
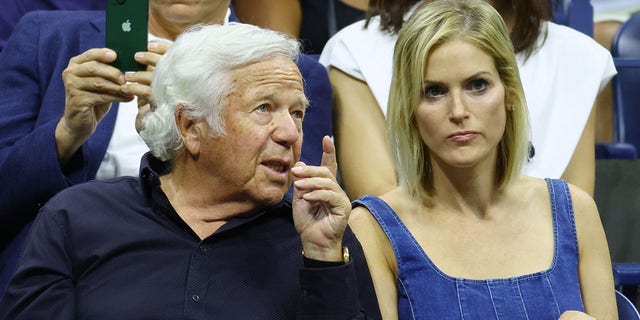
{"x": 126, "y": 26}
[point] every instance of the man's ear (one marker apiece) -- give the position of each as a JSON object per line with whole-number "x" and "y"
{"x": 191, "y": 131}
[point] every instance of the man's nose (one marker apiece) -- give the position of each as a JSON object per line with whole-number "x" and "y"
{"x": 287, "y": 131}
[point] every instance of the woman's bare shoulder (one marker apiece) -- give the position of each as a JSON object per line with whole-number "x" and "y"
{"x": 361, "y": 216}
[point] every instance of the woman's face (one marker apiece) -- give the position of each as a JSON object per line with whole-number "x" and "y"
{"x": 462, "y": 115}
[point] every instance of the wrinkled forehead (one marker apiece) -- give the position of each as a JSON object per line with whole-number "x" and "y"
{"x": 276, "y": 69}
{"x": 277, "y": 74}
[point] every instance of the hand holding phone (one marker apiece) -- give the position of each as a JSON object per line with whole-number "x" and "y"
{"x": 126, "y": 31}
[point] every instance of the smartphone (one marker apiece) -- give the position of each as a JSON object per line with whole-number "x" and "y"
{"x": 126, "y": 31}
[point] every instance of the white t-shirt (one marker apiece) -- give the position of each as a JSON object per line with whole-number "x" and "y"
{"x": 561, "y": 81}
{"x": 125, "y": 147}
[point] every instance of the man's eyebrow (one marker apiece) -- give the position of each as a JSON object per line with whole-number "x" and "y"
{"x": 304, "y": 101}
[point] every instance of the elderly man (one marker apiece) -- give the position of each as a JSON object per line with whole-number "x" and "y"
{"x": 65, "y": 114}
{"x": 204, "y": 231}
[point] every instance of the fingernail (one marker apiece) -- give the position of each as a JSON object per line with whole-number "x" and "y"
{"x": 110, "y": 55}
{"x": 139, "y": 55}
{"x": 152, "y": 45}
{"x": 296, "y": 169}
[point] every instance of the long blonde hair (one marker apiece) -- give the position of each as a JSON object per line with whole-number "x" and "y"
{"x": 431, "y": 25}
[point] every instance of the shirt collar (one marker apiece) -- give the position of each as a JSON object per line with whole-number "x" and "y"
{"x": 151, "y": 168}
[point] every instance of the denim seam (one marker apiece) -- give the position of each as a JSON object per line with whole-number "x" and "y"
{"x": 524, "y": 306}
{"x": 553, "y": 294}
{"x": 410, "y": 298}
{"x": 493, "y": 303}
{"x": 459, "y": 301}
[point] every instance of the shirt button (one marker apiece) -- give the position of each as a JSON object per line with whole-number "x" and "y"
{"x": 203, "y": 249}
{"x": 195, "y": 298}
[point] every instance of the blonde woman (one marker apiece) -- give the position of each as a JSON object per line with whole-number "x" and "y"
{"x": 466, "y": 235}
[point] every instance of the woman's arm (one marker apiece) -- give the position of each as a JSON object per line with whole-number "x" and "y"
{"x": 380, "y": 258}
{"x": 594, "y": 266}
{"x": 364, "y": 159}
{"x": 581, "y": 170}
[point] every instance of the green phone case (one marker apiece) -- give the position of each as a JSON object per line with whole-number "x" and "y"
{"x": 126, "y": 31}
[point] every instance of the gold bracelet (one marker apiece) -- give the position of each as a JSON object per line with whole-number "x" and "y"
{"x": 345, "y": 255}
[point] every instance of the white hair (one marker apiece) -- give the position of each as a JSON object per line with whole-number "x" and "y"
{"x": 195, "y": 73}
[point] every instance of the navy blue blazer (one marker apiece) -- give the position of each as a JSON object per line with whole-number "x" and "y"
{"x": 32, "y": 101}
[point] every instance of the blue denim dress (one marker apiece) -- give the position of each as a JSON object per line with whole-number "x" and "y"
{"x": 425, "y": 292}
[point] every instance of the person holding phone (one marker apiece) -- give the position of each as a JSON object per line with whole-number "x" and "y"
{"x": 67, "y": 116}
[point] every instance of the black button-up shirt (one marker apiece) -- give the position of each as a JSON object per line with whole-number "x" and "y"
{"x": 116, "y": 249}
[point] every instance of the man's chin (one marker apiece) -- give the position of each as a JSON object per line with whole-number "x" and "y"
{"x": 271, "y": 195}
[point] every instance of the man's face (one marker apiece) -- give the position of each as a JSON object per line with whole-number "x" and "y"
{"x": 263, "y": 125}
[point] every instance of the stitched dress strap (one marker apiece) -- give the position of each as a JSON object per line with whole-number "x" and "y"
{"x": 418, "y": 279}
